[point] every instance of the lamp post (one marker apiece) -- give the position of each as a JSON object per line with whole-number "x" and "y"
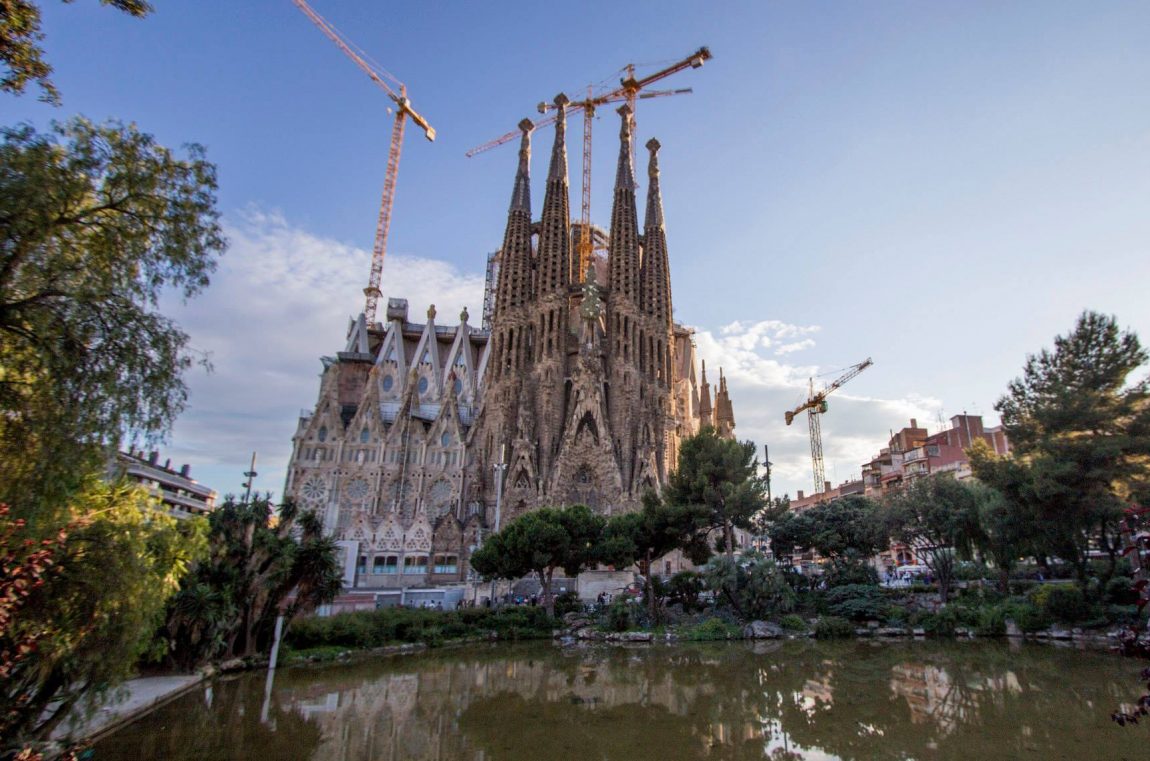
{"x": 250, "y": 474}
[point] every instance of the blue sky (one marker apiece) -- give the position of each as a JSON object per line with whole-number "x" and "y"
{"x": 940, "y": 186}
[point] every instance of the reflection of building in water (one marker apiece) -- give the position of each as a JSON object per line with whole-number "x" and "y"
{"x": 407, "y": 715}
{"x": 933, "y": 697}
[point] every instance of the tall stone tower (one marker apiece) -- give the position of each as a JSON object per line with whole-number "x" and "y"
{"x": 579, "y": 392}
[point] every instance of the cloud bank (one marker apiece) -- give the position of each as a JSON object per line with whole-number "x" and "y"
{"x": 282, "y": 297}
{"x": 766, "y": 377}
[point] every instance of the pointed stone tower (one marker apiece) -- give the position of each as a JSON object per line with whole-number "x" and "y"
{"x": 724, "y": 411}
{"x": 706, "y": 416}
{"x": 552, "y": 313}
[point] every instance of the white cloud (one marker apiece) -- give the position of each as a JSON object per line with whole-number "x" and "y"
{"x": 282, "y": 298}
{"x": 764, "y": 385}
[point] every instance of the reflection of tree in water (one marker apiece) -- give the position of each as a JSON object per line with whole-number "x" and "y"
{"x": 223, "y": 722}
{"x": 781, "y": 701}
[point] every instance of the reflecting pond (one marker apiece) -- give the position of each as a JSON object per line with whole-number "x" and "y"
{"x": 774, "y": 700}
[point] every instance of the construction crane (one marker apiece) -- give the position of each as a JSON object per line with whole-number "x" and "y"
{"x": 630, "y": 90}
{"x": 815, "y": 405}
{"x": 403, "y": 110}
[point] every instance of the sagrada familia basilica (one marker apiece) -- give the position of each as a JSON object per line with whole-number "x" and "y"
{"x": 579, "y": 388}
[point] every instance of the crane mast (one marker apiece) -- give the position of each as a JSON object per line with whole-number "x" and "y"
{"x": 403, "y": 110}
{"x": 815, "y": 406}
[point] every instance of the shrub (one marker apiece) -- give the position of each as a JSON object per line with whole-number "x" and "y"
{"x": 367, "y": 629}
{"x": 849, "y": 572}
{"x": 858, "y": 602}
{"x": 712, "y": 629}
{"x": 992, "y": 621}
{"x": 685, "y": 588}
{"x": 1120, "y": 591}
{"x": 1027, "y": 616}
{"x": 941, "y": 623}
{"x": 833, "y": 627}
{"x": 620, "y": 615}
{"x": 1062, "y": 603}
{"x": 568, "y": 602}
{"x": 755, "y": 588}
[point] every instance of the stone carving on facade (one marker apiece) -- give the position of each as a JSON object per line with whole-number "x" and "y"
{"x": 583, "y": 384}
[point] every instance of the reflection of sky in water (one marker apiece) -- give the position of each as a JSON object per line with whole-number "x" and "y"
{"x": 778, "y": 701}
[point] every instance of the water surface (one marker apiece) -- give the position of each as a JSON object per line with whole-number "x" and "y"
{"x": 777, "y": 700}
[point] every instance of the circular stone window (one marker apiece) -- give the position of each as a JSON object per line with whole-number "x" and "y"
{"x": 313, "y": 489}
{"x": 423, "y": 385}
{"x": 388, "y": 382}
{"x": 357, "y": 489}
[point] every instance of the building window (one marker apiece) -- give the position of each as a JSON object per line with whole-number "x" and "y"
{"x": 322, "y": 435}
{"x": 415, "y": 564}
{"x": 388, "y": 382}
{"x": 423, "y": 385}
{"x": 458, "y": 387}
{"x": 361, "y": 565}
{"x": 446, "y": 564}
{"x": 364, "y": 436}
{"x": 385, "y": 564}
{"x": 445, "y": 439}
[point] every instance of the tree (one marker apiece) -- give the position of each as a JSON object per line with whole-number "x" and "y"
{"x": 541, "y": 541}
{"x": 1007, "y": 524}
{"x": 256, "y": 568}
{"x": 720, "y": 475}
{"x": 1080, "y": 436}
{"x": 645, "y": 536}
{"x": 938, "y": 517}
{"x": 20, "y": 51}
{"x": 753, "y": 586}
{"x": 96, "y": 222}
{"x": 845, "y": 529}
{"x": 88, "y": 618}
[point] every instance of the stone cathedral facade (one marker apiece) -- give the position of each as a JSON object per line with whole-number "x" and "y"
{"x": 425, "y": 437}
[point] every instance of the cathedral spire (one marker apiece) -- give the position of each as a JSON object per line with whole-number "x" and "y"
{"x": 656, "y": 272}
{"x": 724, "y": 412}
{"x": 624, "y": 247}
{"x": 515, "y": 257}
{"x": 705, "y": 416}
{"x": 521, "y": 194}
{"x": 554, "y": 228}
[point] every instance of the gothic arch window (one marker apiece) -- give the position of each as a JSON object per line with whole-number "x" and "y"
{"x": 322, "y": 433}
{"x": 364, "y": 436}
{"x": 583, "y": 475}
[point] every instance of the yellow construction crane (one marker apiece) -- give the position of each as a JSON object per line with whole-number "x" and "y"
{"x": 815, "y": 405}
{"x": 630, "y": 90}
{"x": 403, "y": 110}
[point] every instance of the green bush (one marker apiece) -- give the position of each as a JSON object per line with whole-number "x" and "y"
{"x": 858, "y": 602}
{"x": 833, "y": 627}
{"x": 941, "y": 623}
{"x": 711, "y": 629}
{"x": 793, "y": 623}
{"x": 620, "y": 615}
{"x": 685, "y": 588}
{"x": 1028, "y": 616}
{"x": 1120, "y": 591}
{"x": 1063, "y": 603}
{"x": 568, "y": 602}
{"x": 992, "y": 621}
{"x": 850, "y": 572}
{"x": 368, "y": 629}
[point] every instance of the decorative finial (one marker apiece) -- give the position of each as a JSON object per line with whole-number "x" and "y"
{"x": 463, "y": 316}
{"x": 561, "y": 100}
{"x": 431, "y": 312}
{"x": 625, "y": 112}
